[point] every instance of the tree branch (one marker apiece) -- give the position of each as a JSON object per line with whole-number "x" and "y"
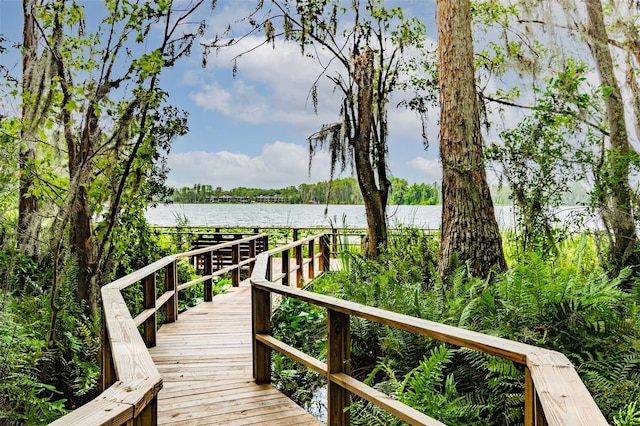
{"x": 534, "y": 108}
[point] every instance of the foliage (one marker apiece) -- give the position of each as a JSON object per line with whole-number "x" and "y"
{"x": 414, "y": 194}
{"x": 564, "y": 302}
{"x": 429, "y": 387}
{"x": 336, "y": 191}
{"x": 23, "y": 398}
{"x": 628, "y": 416}
{"x": 538, "y": 163}
{"x": 49, "y": 349}
{"x": 302, "y": 326}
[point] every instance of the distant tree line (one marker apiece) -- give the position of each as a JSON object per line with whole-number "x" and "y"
{"x": 338, "y": 191}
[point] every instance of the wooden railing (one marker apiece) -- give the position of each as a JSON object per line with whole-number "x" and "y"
{"x": 339, "y": 238}
{"x": 130, "y": 380}
{"x": 554, "y": 393}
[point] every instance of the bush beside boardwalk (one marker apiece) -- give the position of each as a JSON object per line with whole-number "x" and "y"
{"x": 564, "y": 302}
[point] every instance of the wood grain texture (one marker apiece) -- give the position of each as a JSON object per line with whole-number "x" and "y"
{"x": 395, "y": 407}
{"x": 554, "y": 392}
{"x": 205, "y": 360}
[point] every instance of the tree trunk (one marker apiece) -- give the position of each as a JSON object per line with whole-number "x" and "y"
{"x": 469, "y": 227}
{"x": 34, "y": 88}
{"x": 80, "y": 234}
{"x": 374, "y": 203}
{"x": 617, "y": 213}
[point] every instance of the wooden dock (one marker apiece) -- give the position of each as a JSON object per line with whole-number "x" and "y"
{"x": 206, "y": 367}
{"x": 199, "y": 370}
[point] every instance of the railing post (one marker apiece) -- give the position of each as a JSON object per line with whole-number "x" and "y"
{"x": 295, "y": 234}
{"x": 334, "y": 243}
{"x": 312, "y": 260}
{"x": 149, "y": 302}
{"x": 252, "y": 255}
{"x": 208, "y": 284}
{"x": 324, "y": 249}
{"x": 171, "y": 284}
{"x": 261, "y": 324}
{"x": 533, "y": 413}
{"x": 298, "y": 254}
{"x": 108, "y": 376}
{"x": 269, "y": 274}
{"x": 235, "y": 259}
{"x": 338, "y": 360}
{"x": 286, "y": 267}
{"x": 149, "y": 414}
{"x": 529, "y": 398}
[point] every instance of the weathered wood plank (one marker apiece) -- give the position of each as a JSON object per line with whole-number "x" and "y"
{"x": 293, "y": 353}
{"x": 382, "y": 400}
{"x": 338, "y": 358}
{"x": 205, "y": 360}
{"x": 563, "y": 396}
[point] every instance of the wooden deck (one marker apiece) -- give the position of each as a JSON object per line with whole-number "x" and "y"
{"x": 206, "y": 367}
{"x": 204, "y": 360}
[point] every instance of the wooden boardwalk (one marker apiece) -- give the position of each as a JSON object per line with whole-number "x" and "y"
{"x": 205, "y": 360}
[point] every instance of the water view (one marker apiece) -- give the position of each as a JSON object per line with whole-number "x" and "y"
{"x": 312, "y": 215}
{"x": 300, "y": 215}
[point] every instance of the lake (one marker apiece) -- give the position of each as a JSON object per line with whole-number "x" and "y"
{"x": 300, "y": 215}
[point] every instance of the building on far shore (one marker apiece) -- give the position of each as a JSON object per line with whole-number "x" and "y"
{"x": 245, "y": 199}
{"x": 271, "y": 199}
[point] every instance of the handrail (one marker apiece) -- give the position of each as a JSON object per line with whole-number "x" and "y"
{"x": 130, "y": 379}
{"x": 292, "y": 233}
{"x": 554, "y": 392}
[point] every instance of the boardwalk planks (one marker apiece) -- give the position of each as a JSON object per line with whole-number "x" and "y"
{"x": 205, "y": 363}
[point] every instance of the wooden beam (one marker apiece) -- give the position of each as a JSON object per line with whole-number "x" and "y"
{"x": 387, "y": 403}
{"x": 293, "y": 353}
{"x": 149, "y": 304}
{"x": 171, "y": 285}
{"x": 261, "y": 324}
{"x": 338, "y": 360}
{"x": 207, "y": 271}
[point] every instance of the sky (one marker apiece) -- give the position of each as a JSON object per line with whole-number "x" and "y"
{"x": 251, "y": 130}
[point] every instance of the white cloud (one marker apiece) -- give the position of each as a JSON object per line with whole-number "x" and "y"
{"x": 242, "y": 102}
{"x": 427, "y": 169}
{"x": 280, "y": 164}
{"x": 271, "y": 86}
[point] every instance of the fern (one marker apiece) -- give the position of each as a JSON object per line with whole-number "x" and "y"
{"x": 628, "y": 416}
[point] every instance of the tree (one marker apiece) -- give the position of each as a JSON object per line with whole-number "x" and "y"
{"x": 538, "y": 162}
{"x": 368, "y": 57}
{"x": 469, "y": 226}
{"x": 613, "y": 40}
{"x": 617, "y": 201}
{"x": 35, "y": 73}
{"x": 107, "y": 123}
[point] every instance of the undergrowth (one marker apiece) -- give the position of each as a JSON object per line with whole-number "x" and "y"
{"x": 565, "y": 302}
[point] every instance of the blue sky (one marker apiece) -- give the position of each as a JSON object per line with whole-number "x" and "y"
{"x": 251, "y": 130}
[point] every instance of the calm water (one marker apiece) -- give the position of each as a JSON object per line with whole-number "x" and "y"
{"x": 299, "y": 215}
